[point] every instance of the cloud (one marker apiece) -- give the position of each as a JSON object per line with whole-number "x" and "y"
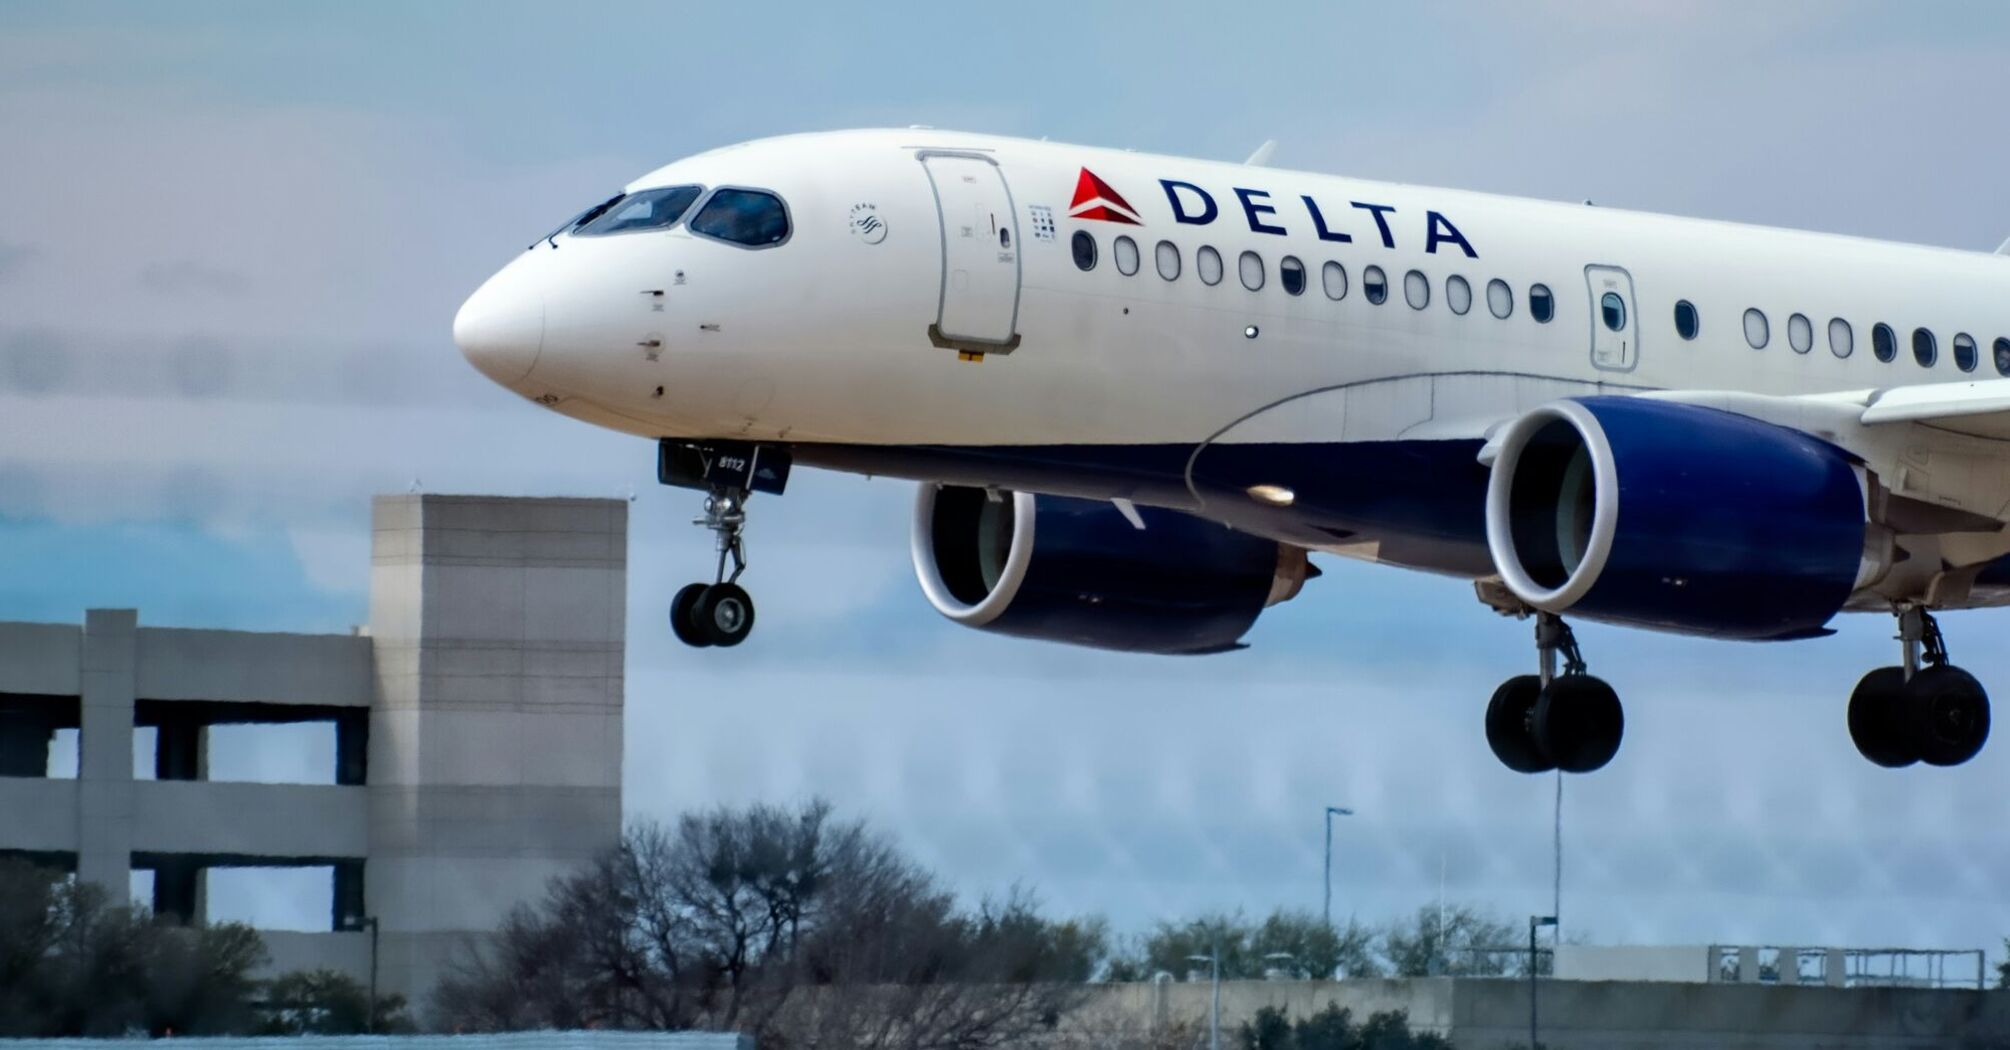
{"x": 14, "y": 258}
{"x": 186, "y": 277}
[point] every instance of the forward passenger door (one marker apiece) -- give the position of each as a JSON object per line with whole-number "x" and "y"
{"x": 979, "y": 306}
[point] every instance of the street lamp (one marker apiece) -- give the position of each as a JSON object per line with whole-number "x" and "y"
{"x": 1214, "y": 1011}
{"x": 1534, "y": 921}
{"x": 1331, "y": 812}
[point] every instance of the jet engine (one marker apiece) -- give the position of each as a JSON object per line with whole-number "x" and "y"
{"x": 1677, "y": 517}
{"x": 1082, "y": 572}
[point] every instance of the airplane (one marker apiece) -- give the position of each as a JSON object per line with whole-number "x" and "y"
{"x": 1138, "y": 390}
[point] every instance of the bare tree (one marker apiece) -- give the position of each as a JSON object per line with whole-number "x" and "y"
{"x": 798, "y": 928}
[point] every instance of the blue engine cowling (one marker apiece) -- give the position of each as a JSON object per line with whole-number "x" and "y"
{"x": 1676, "y": 517}
{"x": 1078, "y": 571}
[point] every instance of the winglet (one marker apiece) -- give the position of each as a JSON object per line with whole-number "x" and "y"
{"x": 1261, "y": 158}
{"x": 2003, "y": 249}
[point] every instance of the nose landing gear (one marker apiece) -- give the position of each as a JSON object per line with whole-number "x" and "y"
{"x": 1937, "y": 714}
{"x": 719, "y": 613}
{"x": 1570, "y": 721}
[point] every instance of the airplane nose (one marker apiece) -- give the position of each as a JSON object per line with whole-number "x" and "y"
{"x": 500, "y": 329}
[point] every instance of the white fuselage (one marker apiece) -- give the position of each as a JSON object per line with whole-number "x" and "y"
{"x": 894, "y": 316}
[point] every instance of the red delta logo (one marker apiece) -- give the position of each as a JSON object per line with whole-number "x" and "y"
{"x": 1094, "y": 199}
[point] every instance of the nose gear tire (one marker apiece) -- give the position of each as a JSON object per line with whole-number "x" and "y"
{"x": 683, "y": 616}
{"x": 724, "y": 614}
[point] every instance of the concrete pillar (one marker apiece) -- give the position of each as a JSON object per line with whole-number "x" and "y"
{"x": 180, "y": 890}
{"x": 352, "y": 748}
{"x": 181, "y": 750}
{"x": 498, "y": 629}
{"x": 348, "y": 911}
{"x": 105, "y": 750}
{"x": 1835, "y": 967}
{"x": 24, "y": 743}
{"x": 1748, "y": 965}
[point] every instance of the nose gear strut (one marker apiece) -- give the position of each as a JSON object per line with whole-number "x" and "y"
{"x": 720, "y": 613}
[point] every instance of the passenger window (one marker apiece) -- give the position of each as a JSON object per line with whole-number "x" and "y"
{"x": 657, "y": 209}
{"x": 1612, "y": 310}
{"x": 1125, "y": 252}
{"x": 1207, "y": 262}
{"x": 1458, "y": 294}
{"x": 1884, "y": 343}
{"x": 1334, "y": 277}
{"x": 1964, "y": 352}
{"x": 1541, "y": 304}
{"x": 749, "y": 218}
{"x": 1083, "y": 244}
{"x": 1842, "y": 338}
{"x": 1925, "y": 348}
{"x": 1167, "y": 254}
{"x": 1250, "y": 268}
{"x": 1500, "y": 298}
{"x": 1291, "y": 273}
{"x": 2003, "y": 357}
{"x": 1416, "y": 290}
{"x": 1800, "y": 334}
{"x": 1375, "y": 285}
{"x": 1757, "y": 331}
{"x": 1687, "y": 323}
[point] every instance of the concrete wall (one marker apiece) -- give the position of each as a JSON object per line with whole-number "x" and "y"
{"x": 43, "y": 658}
{"x": 1492, "y": 1014}
{"x": 242, "y": 666}
{"x": 1580, "y": 962}
{"x": 495, "y": 746}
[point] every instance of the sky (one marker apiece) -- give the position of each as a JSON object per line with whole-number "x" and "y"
{"x": 233, "y": 238}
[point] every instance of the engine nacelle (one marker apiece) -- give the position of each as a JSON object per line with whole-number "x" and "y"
{"x": 1078, "y": 571}
{"x": 1676, "y": 517}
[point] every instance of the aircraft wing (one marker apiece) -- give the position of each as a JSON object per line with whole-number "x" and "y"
{"x": 1979, "y": 409}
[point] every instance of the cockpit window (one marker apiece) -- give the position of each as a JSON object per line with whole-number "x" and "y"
{"x": 747, "y": 217}
{"x": 657, "y": 209}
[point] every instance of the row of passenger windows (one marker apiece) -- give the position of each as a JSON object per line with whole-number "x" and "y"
{"x": 1251, "y": 271}
{"x": 1541, "y": 302}
{"x": 1842, "y": 339}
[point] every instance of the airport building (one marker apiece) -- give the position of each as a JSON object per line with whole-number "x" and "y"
{"x": 477, "y": 725}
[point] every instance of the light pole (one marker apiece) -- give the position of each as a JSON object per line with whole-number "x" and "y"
{"x": 1331, "y": 812}
{"x": 1533, "y": 922}
{"x": 1214, "y": 1011}
{"x": 370, "y": 1022}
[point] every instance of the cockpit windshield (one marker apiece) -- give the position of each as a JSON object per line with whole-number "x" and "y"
{"x": 657, "y": 209}
{"x": 584, "y": 216}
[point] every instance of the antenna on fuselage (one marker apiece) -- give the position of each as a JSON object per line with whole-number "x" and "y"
{"x": 1261, "y": 158}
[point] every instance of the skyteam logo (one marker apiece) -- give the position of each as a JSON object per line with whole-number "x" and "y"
{"x": 1094, "y": 199}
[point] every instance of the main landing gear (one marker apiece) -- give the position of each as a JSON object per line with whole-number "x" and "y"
{"x": 1937, "y": 714}
{"x": 719, "y": 613}
{"x": 1570, "y": 721}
